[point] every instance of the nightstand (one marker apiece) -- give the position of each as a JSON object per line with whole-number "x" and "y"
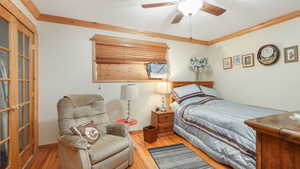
{"x": 163, "y": 121}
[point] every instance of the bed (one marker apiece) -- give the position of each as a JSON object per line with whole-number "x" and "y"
{"x": 216, "y": 126}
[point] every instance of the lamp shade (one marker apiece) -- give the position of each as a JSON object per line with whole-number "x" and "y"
{"x": 162, "y": 88}
{"x": 129, "y": 92}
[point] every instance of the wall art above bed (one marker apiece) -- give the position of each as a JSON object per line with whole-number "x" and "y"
{"x": 248, "y": 60}
{"x": 268, "y": 54}
{"x": 227, "y": 63}
{"x": 291, "y": 54}
{"x": 237, "y": 60}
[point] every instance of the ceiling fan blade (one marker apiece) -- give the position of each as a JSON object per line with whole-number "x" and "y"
{"x": 178, "y": 17}
{"x": 212, "y": 9}
{"x": 159, "y": 4}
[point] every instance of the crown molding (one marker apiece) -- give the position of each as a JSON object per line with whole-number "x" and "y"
{"x": 257, "y": 27}
{"x": 76, "y": 22}
{"x": 82, "y": 23}
{"x": 13, "y": 9}
{"x": 32, "y": 8}
{"x": 95, "y": 25}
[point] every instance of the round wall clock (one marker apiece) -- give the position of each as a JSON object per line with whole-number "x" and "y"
{"x": 268, "y": 54}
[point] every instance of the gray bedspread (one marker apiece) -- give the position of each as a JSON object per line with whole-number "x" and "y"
{"x": 217, "y": 127}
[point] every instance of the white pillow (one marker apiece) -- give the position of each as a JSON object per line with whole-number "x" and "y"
{"x": 209, "y": 91}
{"x": 186, "y": 92}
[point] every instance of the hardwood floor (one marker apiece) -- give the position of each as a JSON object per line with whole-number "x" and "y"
{"x": 47, "y": 158}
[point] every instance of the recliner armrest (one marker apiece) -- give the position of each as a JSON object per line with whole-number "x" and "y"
{"x": 117, "y": 129}
{"x": 74, "y": 142}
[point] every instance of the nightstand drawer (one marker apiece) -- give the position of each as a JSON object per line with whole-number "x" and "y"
{"x": 165, "y": 118}
{"x": 163, "y": 128}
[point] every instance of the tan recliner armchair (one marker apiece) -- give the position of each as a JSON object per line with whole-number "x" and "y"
{"x": 113, "y": 150}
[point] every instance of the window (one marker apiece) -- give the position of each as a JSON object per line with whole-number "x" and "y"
{"x": 120, "y": 59}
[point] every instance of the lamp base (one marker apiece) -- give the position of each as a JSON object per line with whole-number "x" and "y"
{"x": 163, "y": 109}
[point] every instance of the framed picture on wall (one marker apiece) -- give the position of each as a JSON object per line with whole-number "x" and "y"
{"x": 237, "y": 60}
{"x": 291, "y": 54}
{"x": 227, "y": 63}
{"x": 248, "y": 60}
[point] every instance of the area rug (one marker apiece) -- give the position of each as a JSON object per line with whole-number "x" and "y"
{"x": 177, "y": 156}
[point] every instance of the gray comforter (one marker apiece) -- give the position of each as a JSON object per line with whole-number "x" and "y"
{"x": 217, "y": 127}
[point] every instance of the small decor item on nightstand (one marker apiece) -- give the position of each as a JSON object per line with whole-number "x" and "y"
{"x": 198, "y": 65}
{"x": 268, "y": 54}
{"x": 150, "y": 134}
{"x": 129, "y": 92}
{"x": 291, "y": 54}
{"x": 163, "y": 89}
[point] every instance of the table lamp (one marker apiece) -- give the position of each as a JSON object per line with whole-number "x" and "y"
{"x": 129, "y": 93}
{"x": 163, "y": 89}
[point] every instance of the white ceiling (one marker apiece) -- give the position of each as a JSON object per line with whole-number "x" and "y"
{"x": 129, "y": 13}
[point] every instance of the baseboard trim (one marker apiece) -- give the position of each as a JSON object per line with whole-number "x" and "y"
{"x": 47, "y": 146}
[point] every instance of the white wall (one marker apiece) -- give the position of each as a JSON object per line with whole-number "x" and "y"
{"x": 276, "y": 86}
{"x": 65, "y": 68}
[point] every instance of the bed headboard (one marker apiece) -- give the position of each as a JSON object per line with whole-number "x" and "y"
{"x": 209, "y": 84}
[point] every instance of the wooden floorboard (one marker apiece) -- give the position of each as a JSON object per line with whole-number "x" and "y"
{"x": 47, "y": 157}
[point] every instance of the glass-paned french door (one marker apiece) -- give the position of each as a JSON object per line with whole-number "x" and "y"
{"x": 5, "y": 82}
{"x": 16, "y": 92}
{"x": 25, "y": 130}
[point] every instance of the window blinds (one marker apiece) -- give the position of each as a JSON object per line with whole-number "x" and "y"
{"x": 120, "y": 59}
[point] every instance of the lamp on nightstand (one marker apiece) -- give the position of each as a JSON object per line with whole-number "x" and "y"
{"x": 129, "y": 93}
{"x": 163, "y": 89}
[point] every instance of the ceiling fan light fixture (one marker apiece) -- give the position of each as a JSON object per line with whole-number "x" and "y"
{"x": 190, "y": 7}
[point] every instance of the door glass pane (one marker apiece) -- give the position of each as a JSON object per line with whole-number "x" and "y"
{"x": 20, "y": 92}
{"x": 3, "y": 64}
{"x": 26, "y": 46}
{"x": 27, "y": 91}
{"x": 3, "y": 94}
{"x": 4, "y": 124}
{"x": 4, "y": 33}
{"x": 20, "y": 61}
{"x": 26, "y": 113}
{"x": 4, "y": 155}
{"x": 26, "y": 136}
{"x": 20, "y": 43}
{"x": 20, "y": 117}
{"x": 27, "y": 68}
{"x": 21, "y": 141}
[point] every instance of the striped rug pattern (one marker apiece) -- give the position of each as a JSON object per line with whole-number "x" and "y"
{"x": 177, "y": 156}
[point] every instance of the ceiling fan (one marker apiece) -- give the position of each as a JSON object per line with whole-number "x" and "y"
{"x": 188, "y": 8}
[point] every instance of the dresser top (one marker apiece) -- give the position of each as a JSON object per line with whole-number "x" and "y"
{"x": 280, "y": 125}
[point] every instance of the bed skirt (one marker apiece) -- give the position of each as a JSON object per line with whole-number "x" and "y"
{"x": 214, "y": 148}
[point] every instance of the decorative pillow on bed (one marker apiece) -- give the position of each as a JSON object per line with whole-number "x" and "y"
{"x": 88, "y": 131}
{"x": 186, "y": 92}
{"x": 209, "y": 91}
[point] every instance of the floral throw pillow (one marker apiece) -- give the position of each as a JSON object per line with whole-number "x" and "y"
{"x": 87, "y": 131}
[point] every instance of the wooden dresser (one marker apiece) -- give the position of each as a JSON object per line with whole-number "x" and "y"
{"x": 277, "y": 141}
{"x": 163, "y": 121}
